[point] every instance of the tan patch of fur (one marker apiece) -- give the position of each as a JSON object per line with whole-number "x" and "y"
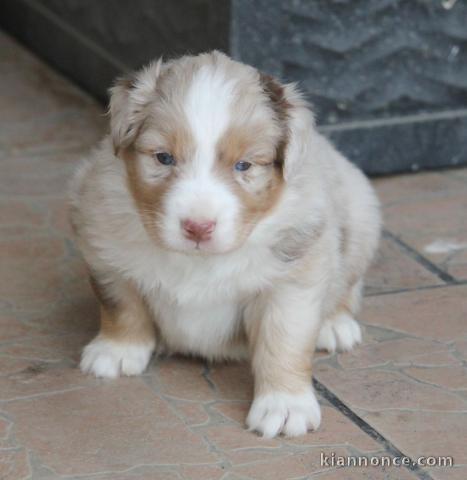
{"x": 278, "y": 365}
{"x": 105, "y": 300}
{"x": 275, "y": 91}
{"x": 124, "y": 125}
{"x": 126, "y": 319}
{"x": 281, "y": 106}
{"x": 294, "y": 243}
{"x": 148, "y": 197}
{"x": 351, "y": 303}
{"x": 164, "y": 129}
{"x": 233, "y": 147}
{"x": 277, "y": 368}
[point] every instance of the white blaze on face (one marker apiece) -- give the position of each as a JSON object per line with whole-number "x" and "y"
{"x": 200, "y": 195}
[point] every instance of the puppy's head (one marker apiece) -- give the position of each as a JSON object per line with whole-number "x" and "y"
{"x": 206, "y": 142}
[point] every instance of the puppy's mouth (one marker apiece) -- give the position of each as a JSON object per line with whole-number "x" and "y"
{"x": 202, "y": 248}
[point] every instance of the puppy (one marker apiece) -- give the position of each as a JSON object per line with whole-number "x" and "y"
{"x": 217, "y": 222}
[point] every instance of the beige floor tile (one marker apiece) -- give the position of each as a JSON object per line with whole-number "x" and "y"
{"x": 394, "y": 270}
{"x": 14, "y": 464}
{"x": 419, "y": 433}
{"x": 31, "y": 179}
{"x": 459, "y": 174}
{"x": 152, "y": 474}
{"x": 42, "y": 111}
{"x": 111, "y": 426}
{"x": 12, "y": 329}
{"x": 181, "y": 379}
{"x": 290, "y": 466}
{"x": 429, "y": 212}
{"x": 377, "y": 390}
{"x": 367, "y": 473}
{"x": 41, "y": 379}
{"x": 192, "y": 413}
{"x": 453, "y": 378}
{"x": 461, "y": 348}
{"x": 337, "y": 429}
{"x": 409, "y": 387}
{"x": 438, "y": 314}
{"x": 202, "y": 472}
{"x": 455, "y": 473}
{"x": 407, "y": 188}
{"x": 400, "y": 352}
{"x": 435, "y": 227}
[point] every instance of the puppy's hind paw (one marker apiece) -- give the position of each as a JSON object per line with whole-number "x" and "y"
{"x": 107, "y": 358}
{"x": 339, "y": 333}
{"x": 285, "y": 413}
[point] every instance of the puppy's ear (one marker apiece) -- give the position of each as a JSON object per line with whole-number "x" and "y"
{"x": 128, "y": 98}
{"x": 295, "y": 120}
{"x": 276, "y": 95}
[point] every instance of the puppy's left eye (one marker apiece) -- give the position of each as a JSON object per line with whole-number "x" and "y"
{"x": 242, "y": 166}
{"x": 165, "y": 158}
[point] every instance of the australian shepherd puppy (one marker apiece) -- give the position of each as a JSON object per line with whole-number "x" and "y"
{"x": 217, "y": 222}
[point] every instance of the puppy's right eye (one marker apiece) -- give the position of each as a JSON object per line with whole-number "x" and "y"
{"x": 165, "y": 158}
{"x": 242, "y": 166}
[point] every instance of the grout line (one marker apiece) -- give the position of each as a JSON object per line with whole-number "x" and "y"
{"x": 415, "y": 289}
{"x": 368, "y": 429}
{"x": 205, "y": 375}
{"x": 441, "y": 274}
{"x": 398, "y": 120}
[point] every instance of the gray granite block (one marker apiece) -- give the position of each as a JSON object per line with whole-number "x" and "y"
{"x": 387, "y": 78}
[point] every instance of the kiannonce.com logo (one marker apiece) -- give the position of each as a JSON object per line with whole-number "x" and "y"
{"x": 333, "y": 460}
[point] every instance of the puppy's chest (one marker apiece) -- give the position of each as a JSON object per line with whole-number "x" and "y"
{"x": 198, "y": 309}
{"x": 197, "y": 328}
{"x": 190, "y": 281}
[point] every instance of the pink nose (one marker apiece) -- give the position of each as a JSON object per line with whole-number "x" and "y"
{"x": 198, "y": 231}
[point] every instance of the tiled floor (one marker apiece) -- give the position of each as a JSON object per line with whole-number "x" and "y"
{"x": 404, "y": 390}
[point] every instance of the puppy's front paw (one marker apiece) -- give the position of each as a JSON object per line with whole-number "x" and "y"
{"x": 285, "y": 413}
{"x": 106, "y": 358}
{"x": 340, "y": 333}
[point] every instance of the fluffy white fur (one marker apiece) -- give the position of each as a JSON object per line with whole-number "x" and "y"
{"x": 282, "y": 412}
{"x": 341, "y": 333}
{"x": 293, "y": 281}
{"x": 108, "y": 359}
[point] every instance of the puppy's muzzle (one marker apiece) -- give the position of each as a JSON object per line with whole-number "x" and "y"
{"x": 198, "y": 231}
